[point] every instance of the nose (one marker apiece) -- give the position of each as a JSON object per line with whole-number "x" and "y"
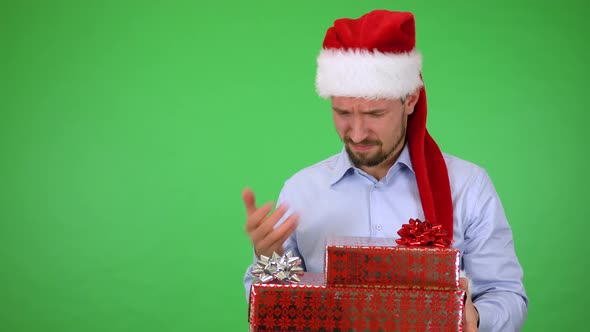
{"x": 358, "y": 130}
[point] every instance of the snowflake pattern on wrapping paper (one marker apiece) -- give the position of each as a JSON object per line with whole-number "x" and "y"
{"x": 333, "y": 308}
{"x": 361, "y": 261}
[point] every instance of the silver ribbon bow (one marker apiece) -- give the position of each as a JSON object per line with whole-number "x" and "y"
{"x": 277, "y": 268}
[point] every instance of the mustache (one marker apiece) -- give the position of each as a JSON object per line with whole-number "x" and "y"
{"x": 348, "y": 140}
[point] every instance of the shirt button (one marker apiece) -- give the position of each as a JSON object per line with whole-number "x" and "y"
{"x": 378, "y": 227}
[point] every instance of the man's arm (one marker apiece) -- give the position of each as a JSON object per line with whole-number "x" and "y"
{"x": 490, "y": 262}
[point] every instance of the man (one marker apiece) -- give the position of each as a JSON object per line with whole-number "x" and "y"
{"x": 389, "y": 171}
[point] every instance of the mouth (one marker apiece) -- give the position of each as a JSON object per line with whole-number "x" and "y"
{"x": 362, "y": 147}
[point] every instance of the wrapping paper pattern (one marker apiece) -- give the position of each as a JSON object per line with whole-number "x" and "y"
{"x": 381, "y": 262}
{"x": 313, "y": 306}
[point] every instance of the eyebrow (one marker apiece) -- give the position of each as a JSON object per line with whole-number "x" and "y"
{"x": 373, "y": 111}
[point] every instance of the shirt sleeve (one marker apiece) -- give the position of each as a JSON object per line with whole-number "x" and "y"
{"x": 490, "y": 262}
{"x": 289, "y": 245}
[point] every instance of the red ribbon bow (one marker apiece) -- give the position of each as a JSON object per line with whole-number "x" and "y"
{"x": 423, "y": 233}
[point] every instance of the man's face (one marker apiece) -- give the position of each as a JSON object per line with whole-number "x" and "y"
{"x": 373, "y": 131}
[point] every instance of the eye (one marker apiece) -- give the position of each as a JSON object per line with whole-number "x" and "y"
{"x": 376, "y": 115}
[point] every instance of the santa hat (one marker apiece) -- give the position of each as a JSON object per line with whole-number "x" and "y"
{"x": 375, "y": 57}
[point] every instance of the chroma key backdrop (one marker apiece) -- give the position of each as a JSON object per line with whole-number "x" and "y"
{"x": 128, "y": 130}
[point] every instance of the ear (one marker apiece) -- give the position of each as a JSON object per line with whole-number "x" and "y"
{"x": 411, "y": 101}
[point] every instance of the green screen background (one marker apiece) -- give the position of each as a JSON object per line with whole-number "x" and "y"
{"x": 129, "y": 129}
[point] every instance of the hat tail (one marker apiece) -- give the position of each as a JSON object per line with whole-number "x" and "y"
{"x": 431, "y": 170}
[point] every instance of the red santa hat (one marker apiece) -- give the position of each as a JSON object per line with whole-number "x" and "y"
{"x": 375, "y": 57}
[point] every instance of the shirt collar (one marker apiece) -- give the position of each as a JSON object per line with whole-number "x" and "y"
{"x": 344, "y": 166}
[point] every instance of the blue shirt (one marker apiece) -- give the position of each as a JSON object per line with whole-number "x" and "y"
{"x": 333, "y": 197}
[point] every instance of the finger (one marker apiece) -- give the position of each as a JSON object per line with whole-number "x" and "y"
{"x": 278, "y": 236}
{"x": 268, "y": 244}
{"x": 285, "y": 230}
{"x": 256, "y": 218}
{"x": 249, "y": 201}
{"x": 266, "y": 226}
{"x": 464, "y": 284}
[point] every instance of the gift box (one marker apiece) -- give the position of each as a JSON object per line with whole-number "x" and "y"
{"x": 382, "y": 262}
{"x": 311, "y": 305}
{"x": 368, "y": 284}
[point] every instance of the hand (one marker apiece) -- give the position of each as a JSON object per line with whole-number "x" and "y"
{"x": 470, "y": 314}
{"x": 260, "y": 226}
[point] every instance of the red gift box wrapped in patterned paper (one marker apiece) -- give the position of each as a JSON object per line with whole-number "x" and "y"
{"x": 382, "y": 262}
{"x": 312, "y": 306}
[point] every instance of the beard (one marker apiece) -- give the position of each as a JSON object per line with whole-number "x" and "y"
{"x": 367, "y": 159}
{"x": 371, "y": 159}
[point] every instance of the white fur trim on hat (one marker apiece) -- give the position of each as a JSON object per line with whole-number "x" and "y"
{"x": 360, "y": 73}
